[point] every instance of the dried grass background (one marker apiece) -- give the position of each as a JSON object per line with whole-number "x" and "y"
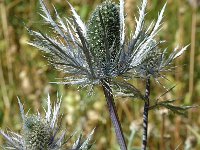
{"x": 26, "y": 74}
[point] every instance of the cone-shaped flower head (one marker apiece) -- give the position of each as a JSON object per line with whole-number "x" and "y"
{"x": 104, "y": 32}
{"x": 37, "y": 133}
{"x": 43, "y": 133}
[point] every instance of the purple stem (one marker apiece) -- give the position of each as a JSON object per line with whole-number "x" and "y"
{"x": 113, "y": 114}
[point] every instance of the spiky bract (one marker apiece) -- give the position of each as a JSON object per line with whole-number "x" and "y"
{"x": 100, "y": 50}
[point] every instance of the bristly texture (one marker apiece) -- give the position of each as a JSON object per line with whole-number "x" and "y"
{"x": 43, "y": 132}
{"x": 88, "y": 53}
{"x": 142, "y": 56}
{"x": 99, "y": 50}
{"x": 37, "y": 133}
{"x": 104, "y": 33}
{"x": 157, "y": 63}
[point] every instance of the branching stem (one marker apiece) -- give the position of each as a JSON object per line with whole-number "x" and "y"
{"x": 145, "y": 115}
{"x": 113, "y": 114}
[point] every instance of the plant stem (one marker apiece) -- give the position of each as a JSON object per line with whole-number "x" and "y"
{"x": 192, "y": 53}
{"x": 113, "y": 113}
{"x": 145, "y": 115}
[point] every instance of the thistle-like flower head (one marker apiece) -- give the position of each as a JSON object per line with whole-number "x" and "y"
{"x": 142, "y": 56}
{"x": 157, "y": 63}
{"x": 86, "y": 52}
{"x": 42, "y": 132}
{"x": 99, "y": 49}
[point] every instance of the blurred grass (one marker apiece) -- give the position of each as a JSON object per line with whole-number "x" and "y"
{"x": 26, "y": 74}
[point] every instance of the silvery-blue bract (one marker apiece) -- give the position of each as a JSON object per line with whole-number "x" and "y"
{"x": 40, "y": 132}
{"x": 99, "y": 49}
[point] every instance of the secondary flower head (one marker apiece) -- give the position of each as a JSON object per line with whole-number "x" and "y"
{"x": 142, "y": 56}
{"x": 99, "y": 49}
{"x": 40, "y": 132}
{"x": 157, "y": 63}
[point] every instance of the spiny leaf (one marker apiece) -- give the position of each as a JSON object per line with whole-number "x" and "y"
{"x": 181, "y": 110}
{"x": 124, "y": 89}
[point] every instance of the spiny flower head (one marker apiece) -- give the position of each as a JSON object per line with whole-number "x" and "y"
{"x": 142, "y": 56}
{"x": 42, "y": 132}
{"x": 99, "y": 49}
{"x": 37, "y": 133}
{"x": 86, "y": 52}
{"x": 157, "y": 64}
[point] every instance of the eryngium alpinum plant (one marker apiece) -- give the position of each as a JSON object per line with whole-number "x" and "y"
{"x": 43, "y": 133}
{"x": 97, "y": 52}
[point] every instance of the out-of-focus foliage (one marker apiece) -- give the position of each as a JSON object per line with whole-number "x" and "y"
{"x": 24, "y": 73}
